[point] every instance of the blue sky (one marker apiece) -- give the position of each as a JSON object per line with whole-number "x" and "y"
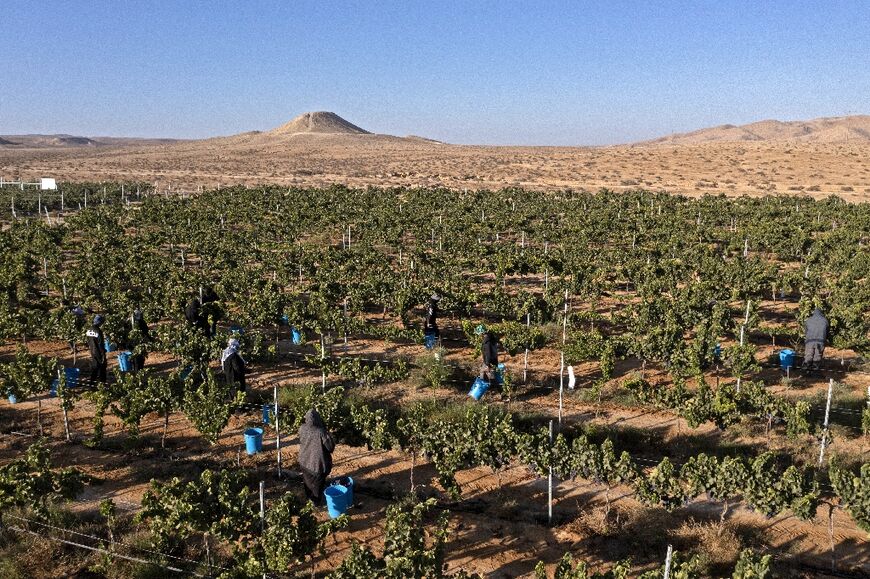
{"x": 560, "y": 73}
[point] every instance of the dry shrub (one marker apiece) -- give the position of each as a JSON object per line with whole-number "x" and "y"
{"x": 718, "y": 542}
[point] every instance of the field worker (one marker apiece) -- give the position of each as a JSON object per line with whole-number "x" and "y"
{"x": 315, "y": 455}
{"x": 211, "y": 311}
{"x": 815, "y": 334}
{"x": 137, "y": 322}
{"x": 234, "y": 366}
{"x": 196, "y": 317}
{"x": 97, "y": 347}
{"x": 430, "y": 324}
{"x": 489, "y": 349}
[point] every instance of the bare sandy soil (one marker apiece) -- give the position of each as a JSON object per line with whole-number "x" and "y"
{"x": 753, "y": 168}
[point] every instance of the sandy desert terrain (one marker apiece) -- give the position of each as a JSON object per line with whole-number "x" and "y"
{"x": 819, "y": 158}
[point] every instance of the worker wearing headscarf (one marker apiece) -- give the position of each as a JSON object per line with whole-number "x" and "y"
{"x": 815, "y": 334}
{"x": 97, "y": 347}
{"x": 234, "y": 366}
{"x": 315, "y": 454}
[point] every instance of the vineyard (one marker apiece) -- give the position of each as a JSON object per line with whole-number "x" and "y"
{"x": 644, "y": 424}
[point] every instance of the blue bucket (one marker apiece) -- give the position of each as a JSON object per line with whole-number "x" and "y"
{"x": 296, "y": 335}
{"x": 72, "y": 380}
{"x": 110, "y": 347}
{"x": 346, "y": 482}
{"x": 786, "y": 359}
{"x": 185, "y": 372}
{"x": 717, "y": 351}
{"x": 430, "y": 339}
{"x": 478, "y": 389}
{"x": 267, "y": 409}
{"x": 124, "y": 361}
{"x": 499, "y": 374}
{"x": 336, "y": 500}
{"x": 285, "y": 321}
{"x": 254, "y": 440}
{"x": 13, "y": 399}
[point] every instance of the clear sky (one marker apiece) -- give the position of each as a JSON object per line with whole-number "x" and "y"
{"x": 501, "y": 72}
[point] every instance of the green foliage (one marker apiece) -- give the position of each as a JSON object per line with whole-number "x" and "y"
{"x": 681, "y": 568}
{"x": 567, "y": 568}
{"x": 411, "y": 549}
{"x": 662, "y": 487}
{"x": 29, "y": 481}
{"x": 854, "y": 492}
{"x": 725, "y": 406}
{"x": 461, "y": 437}
{"x": 362, "y": 372}
{"x": 214, "y": 505}
{"x": 435, "y": 371}
{"x": 740, "y": 359}
{"x": 293, "y": 533}
{"x": 27, "y": 374}
{"x": 208, "y": 403}
{"x": 751, "y": 565}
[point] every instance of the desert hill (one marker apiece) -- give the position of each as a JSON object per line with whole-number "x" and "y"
{"x": 72, "y": 141}
{"x": 823, "y": 130}
{"x": 319, "y": 122}
{"x": 821, "y": 157}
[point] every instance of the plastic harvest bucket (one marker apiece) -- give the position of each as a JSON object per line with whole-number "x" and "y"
{"x": 346, "y": 482}
{"x": 336, "y": 500}
{"x": 72, "y": 380}
{"x": 478, "y": 389}
{"x": 786, "y": 359}
{"x": 296, "y": 335}
{"x": 110, "y": 347}
{"x": 430, "y": 339}
{"x": 253, "y": 440}
{"x": 499, "y": 374}
{"x": 13, "y": 399}
{"x": 717, "y": 351}
{"x": 267, "y": 408}
{"x": 124, "y": 361}
{"x": 185, "y": 372}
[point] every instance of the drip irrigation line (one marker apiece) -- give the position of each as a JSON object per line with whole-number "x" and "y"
{"x": 104, "y": 540}
{"x": 103, "y": 551}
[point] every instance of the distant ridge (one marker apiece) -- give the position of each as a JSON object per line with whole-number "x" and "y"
{"x": 319, "y": 122}
{"x": 823, "y": 130}
{"x": 74, "y": 142}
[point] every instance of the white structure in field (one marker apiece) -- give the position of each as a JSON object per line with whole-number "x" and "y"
{"x": 44, "y": 184}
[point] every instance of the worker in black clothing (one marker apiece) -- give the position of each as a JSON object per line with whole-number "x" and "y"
{"x": 97, "y": 347}
{"x": 489, "y": 349}
{"x": 136, "y": 334}
{"x": 195, "y": 316}
{"x": 234, "y": 367}
{"x": 815, "y": 334}
{"x": 430, "y": 323}
{"x": 212, "y": 312}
